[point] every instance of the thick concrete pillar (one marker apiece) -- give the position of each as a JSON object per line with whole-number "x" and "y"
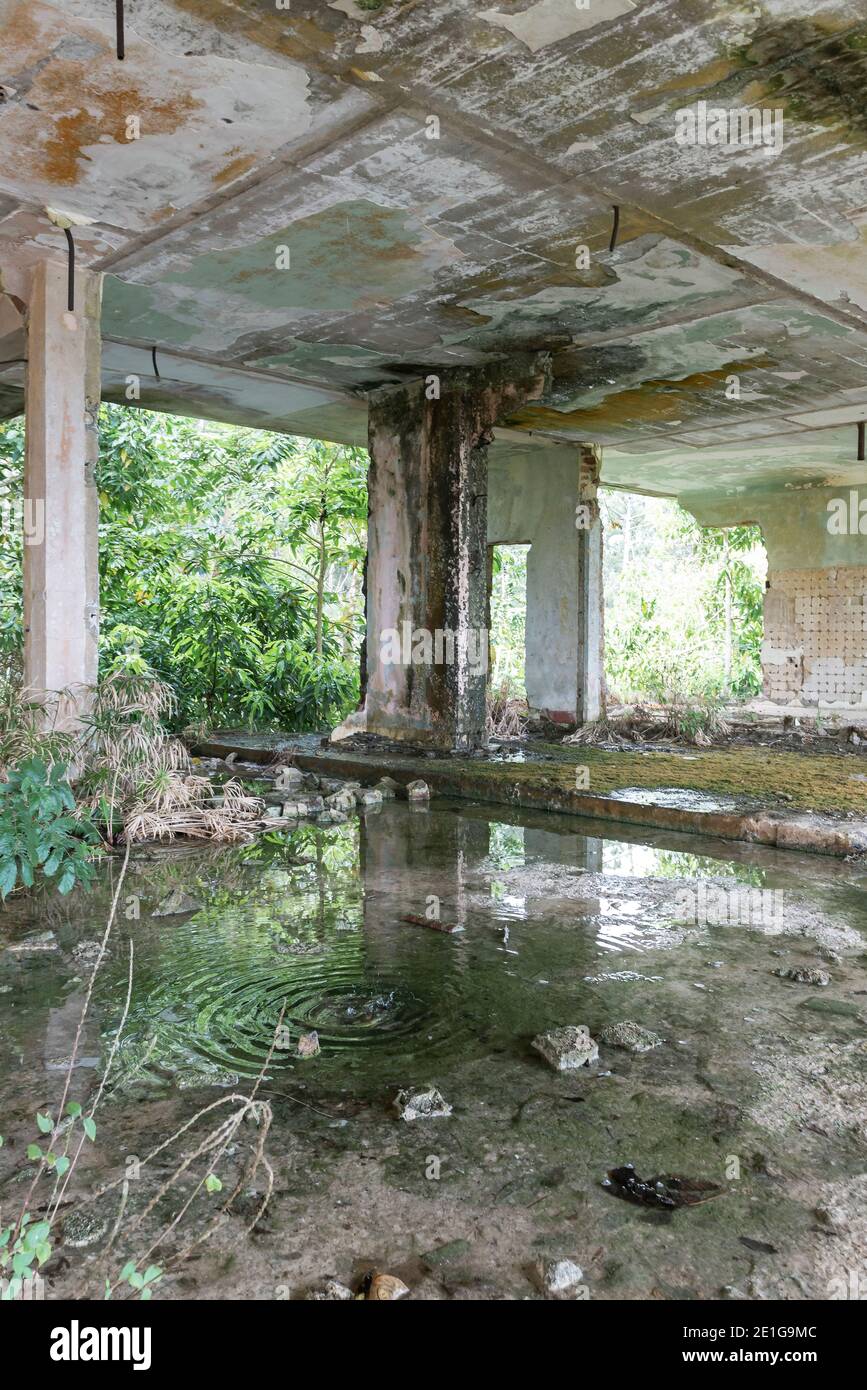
{"x": 545, "y": 496}
{"x": 61, "y": 582}
{"x": 427, "y": 642}
{"x": 814, "y": 652}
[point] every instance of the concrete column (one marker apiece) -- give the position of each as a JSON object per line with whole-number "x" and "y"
{"x": 61, "y": 583}
{"x": 588, "y": 525}
{"x": 427, "y": 641}
{"x": 545, "y": 495}
{"x": 814, "y": 653}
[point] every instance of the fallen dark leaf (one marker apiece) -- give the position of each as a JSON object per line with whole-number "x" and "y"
{"x": 760, "y": 1245}
{"x": 663, "y": 1191}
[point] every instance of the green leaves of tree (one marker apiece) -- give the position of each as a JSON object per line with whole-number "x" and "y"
{"x": 38, "y": 833}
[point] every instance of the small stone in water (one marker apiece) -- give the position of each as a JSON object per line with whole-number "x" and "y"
{"x": 559, "y": 1276}
{"x": 308, "y": 1044}
{"x": 387, "y": 788}
{"x": 803, "y": 975}
{"x": 418, "y": 790}
{"x": 330, "y": 1291}
{"x": 421, "y": 1105}
{"x": 176, "y": 903}
{"x": 630, "y": 1036}
{"x": 566, "y": 1048}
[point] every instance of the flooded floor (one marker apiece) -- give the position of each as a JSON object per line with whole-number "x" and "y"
{"x": 758, "y": 1085}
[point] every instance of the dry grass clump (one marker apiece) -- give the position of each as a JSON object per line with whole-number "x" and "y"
{"x": 188, "y": 806}
{"x": 142, "y": 775}
{"x": 507, "y": 716}
{"x": 699, "y": 724}
{"x": 130, "y": 774}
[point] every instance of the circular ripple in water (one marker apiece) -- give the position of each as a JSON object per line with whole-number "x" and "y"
{"x": 227, "y": 1012}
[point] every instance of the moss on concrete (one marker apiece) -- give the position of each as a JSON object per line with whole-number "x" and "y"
{"x": 800, "y": 781}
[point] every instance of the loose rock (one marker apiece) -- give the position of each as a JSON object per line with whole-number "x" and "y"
{"x": 561, "y": 1276}
{"x": 421, "y": 1105}
{"x": 804, "y": 975}
{"x": 308, "y": 1044}
{"x": 387, "y": 787}
{"x": 87, "y": 952}
{"x": 630, "y": 1036}
{"x": 567, "y": 1048}
{"x": 176, "y": 903}
{"x": 418, "y": 790}
{"x": 83, "y": 1228}
{"x": 330, "y": 1291}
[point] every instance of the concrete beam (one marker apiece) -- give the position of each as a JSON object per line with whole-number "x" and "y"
{"x": 61, "y": 580}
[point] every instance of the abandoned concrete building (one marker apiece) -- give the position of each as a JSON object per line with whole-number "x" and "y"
{"x": 519, "y": 251}
{"x": 440, "y": 188}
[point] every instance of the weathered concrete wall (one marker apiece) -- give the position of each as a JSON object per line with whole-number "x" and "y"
{"x": 61, "y": 579}
{"x": 426, "y": 576}
{"x": 815, "y": 641}
{"x": 533, "y": 496}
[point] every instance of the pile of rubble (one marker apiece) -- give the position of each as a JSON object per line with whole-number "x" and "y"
{"x": 300, "y": 795}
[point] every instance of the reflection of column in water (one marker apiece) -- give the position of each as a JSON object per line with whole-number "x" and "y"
{"x": 405, "y": 860}
{"x": 60, "y": 1033}
{"x": 579, "y": 851}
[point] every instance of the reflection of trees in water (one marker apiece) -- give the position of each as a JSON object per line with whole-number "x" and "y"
{"x": 266, "y": 908}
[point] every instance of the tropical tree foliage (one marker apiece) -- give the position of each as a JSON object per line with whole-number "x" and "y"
{"x": 230, "y": 566}
{"x": 683, "y": 605}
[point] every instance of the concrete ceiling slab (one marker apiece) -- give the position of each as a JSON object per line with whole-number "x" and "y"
{"x": 440, "y": 180}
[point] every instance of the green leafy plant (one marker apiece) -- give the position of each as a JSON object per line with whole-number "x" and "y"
{"x": 40, "y": 834}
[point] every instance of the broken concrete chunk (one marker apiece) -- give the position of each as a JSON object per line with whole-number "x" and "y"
{"x": 566, "y": 1048}
{"x": 288, "y": 779}
{"x": 421, "y": 1105}
{"x": 804, "y": 975}
{"x": 330, "y": 785}
{"x": 368, "y": 796}
{"x": 330, "y": 1291}
{"x": 87, "y": 952}
{"x": 630, "y": 1036}
{"x": 561, "y": 1276}
{"x": 177, "y": 903}
{"x": 418, "y": 790}
{"x": 387, "y": 787}
{"x": 308, "y": 1044}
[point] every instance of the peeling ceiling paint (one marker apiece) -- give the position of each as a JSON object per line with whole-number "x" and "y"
{"x": 549, "y": 21}
{"x": 443, "y": 178}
